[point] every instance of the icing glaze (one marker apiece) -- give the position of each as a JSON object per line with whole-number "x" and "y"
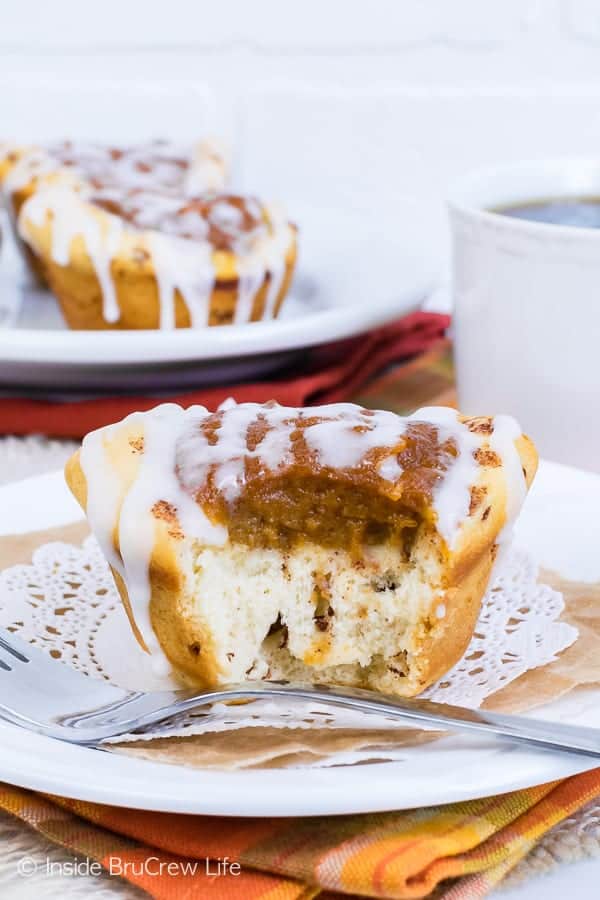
{"x": 102, "y": 237}
{"x": 152, "y": 165}
{"x": 178, "y": 455}
{"x": 453, "y": 494}
{"x": 502, "y": 440}
{"x": 184, "y": 266}
{"x": 125, "y": 518}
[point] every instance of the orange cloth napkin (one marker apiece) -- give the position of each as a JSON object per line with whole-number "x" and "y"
{"x": 461, "y": 851}
{"x": 331, "y": 373}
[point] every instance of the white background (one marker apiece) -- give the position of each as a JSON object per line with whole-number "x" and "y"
{"x": 370, "y": 104}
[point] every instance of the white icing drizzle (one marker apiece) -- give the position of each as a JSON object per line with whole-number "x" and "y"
{"x": 452, "y": 497}
{"x": 163, "y": 268}
{"x": 155, "y": 164}
{"x": 71, "y": 219}
{"x": 102, "y": 247}
{"x": 276, "y": 272}
{"x": 196, "y": 455}
{"x": 340, "y": 444}
{"x": 502, "y": 441}
{"x": 268, "y": 257}
{"x": 251, "y": 273}
{"x": 104, "y": 491}
{"x": 130, "y": 516}
{"x": 335, "y": 440}
{"x": 185, "y": 266}
{"x": 178, "y": 455}
{"x": 156, "y": 481}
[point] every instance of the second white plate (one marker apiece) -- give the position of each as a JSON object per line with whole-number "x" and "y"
{"x": 340, "y": 289}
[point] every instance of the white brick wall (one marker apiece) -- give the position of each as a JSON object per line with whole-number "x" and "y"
{"x": 263, "y": 24}
{"x": 371, "y": 104}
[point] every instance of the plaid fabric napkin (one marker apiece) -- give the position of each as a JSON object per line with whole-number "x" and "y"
{"x": 327, "y": 374}
{"x": 459, "y": 851}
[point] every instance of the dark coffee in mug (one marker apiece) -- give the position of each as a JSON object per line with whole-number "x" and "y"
{"x": 578, "y": 212}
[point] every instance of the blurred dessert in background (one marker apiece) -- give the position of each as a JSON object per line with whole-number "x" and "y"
{"x": 147, "y": 237}
{"x": 156, "y": 164}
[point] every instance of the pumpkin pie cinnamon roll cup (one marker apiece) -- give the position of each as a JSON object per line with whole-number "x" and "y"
{"x": 328, "y": 544}
{"x": 151, "y": 259}
{"x": 156, "y": 165}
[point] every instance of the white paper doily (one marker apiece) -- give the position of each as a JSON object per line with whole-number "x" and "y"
{"x": 66, "y": 602}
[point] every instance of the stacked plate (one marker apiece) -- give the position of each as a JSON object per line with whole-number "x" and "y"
{"x": 340, "y": 289}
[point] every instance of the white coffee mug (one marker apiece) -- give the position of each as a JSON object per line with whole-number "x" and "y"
{"x": 527, "y": 307}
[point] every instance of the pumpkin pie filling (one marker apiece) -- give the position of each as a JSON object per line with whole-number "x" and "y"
{"x": 343, "y": 509}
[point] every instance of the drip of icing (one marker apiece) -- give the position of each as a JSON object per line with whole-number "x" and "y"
{"x": 251, "y": 274}
{"x": 269, "y": 254}
{"x": 104, "y": 491}
{"x": 502, "y": 441}
{"x": 275, "y": 254}
{"x": 102, "y": 248}
{"x": 177, "y": 457}
{"x": 160, "y": 249}
{"x": 131, "y": 514}
{"x": 186, "y": 266}
{"x": 452, "y": 497}
{"x": 277, "y": 272}
{"x": 71, "y": 219}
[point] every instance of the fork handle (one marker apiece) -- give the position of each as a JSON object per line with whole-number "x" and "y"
{"x": 517, "y": 729}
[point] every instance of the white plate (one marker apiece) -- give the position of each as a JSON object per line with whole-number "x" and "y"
{"x": 340, "y": 289}
{"x": 559, "y": 523}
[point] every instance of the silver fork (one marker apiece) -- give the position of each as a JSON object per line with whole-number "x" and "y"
{"x": 52, "y": 699}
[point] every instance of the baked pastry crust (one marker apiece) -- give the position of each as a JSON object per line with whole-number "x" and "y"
{"x": 159, "y": 254}
{"x": 384, "y": 530}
